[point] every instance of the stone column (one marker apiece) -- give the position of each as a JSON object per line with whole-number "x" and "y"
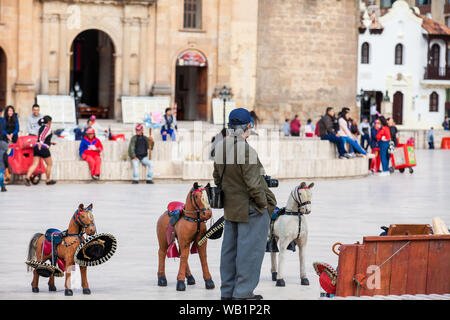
{"x": 63, "y": 61}
{"x": 126, "y": 56}
{"x": 45, "y": 19}
{"x": 143, "y": 57}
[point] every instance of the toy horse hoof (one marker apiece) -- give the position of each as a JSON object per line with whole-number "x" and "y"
{"x": 68, "y": 292}
{"x": 305, "y": 282}
{"x": 209, "y": 284}
{"x": 162, "y": 281}
{"x": 87, "y": 291}
{"x": 274, "y": 276}
{"x": 280, "y": 283}
{"x": 51, "y": 288}
{"x": 180, "y": 285}
{"x": 35, "y": 290}
{"x": 190, "y": 280}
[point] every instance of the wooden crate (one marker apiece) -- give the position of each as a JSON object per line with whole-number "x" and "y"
{"x": 421, "y": 267}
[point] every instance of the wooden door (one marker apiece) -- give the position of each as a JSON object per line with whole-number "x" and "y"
{"x": 397, "y": 108}
{"x": 202, "y": 86}
{"x": 2, "y": 78}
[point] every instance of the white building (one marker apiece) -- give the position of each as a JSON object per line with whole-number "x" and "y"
{"x": 404, "y": 56}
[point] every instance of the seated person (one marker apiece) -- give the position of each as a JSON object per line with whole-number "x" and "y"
{"x": 10, "y": 124}
{"x": 169, "y": 125}
{"x": 138, "y": 152}
{"x": 327, "y": 132}
{"x": 90, "y": 149}
{"x": 346, "y": 134}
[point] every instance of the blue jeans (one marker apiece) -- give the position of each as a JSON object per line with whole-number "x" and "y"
{"x": 384, "y": 155}
{"x": 170, "y": 133}
{"x": 2, "y": 178}
{"x": 146, "y": 162}
{"x": 336, "y": 140}
{"x": 355, "y": 146}
{"x": 364, "y": 138}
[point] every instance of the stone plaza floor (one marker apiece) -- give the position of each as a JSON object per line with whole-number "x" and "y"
{"x": 342, "y": 211}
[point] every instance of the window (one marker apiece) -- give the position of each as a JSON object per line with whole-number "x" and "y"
{"x": 387, "y": 3}
{"x": 435, "y": 55}
{"x": 399, "y": 54}
{"x": 192, "y": 14}
{"x": 365, "y": 53}
{"x": 447, "y": 21}
{"x": 434, "y": 102}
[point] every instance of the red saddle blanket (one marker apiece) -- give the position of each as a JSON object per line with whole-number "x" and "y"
{"x": 47, "y": 247}
{"x": 174, "y": 210}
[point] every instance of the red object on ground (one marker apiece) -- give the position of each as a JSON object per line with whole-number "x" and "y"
{"x": 376, "y": 162}
{"x": 445, "y": 144}
{"x": 95, "y": 163}
{"x": 404, "y": 156}
{"x": 22, "y": 156}
{"x": 118, "y": 137}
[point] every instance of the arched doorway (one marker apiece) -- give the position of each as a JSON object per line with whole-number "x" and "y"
{"x": 397, "y": 108}
{"x": 3, "y": 77}
{"x": 92, "y": 67}
{"x": 191, "y": 86}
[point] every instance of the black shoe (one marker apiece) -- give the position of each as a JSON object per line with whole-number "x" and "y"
{"x": 255, "y": 297}
{"x": 27, "y": 182}
{"x": 4, "y": 189}
{"x": 134, "y": 182}
{"x": 95, "y": 177}
{"x": 150, "y": 182}
{"x": 51, "y": 182}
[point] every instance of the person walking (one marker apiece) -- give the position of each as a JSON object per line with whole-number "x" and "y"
{"x": 446, "y": 124}
{"x": 169, "y": 126}
{"x": 286, "y": 128}
{"x": 90, "y": 149}
{"x": 32, "y": 121}
{"x": 430, "y": 138}
{"x": 327, "y": 132}
{"x": 3, "y": 164}
{"x": 42, "y": 151}
{"x": 248, "y": 204}
{"x": 383, "y": 138}
{"x": 295, "y": 127}
{"x": 138, "y": 152}
{"x": 10, "y": 125}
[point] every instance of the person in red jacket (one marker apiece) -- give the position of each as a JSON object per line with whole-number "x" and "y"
{"x": 383, "y": 138}
{"x": 295, "y": 127}
{"x": 90, "y": 149}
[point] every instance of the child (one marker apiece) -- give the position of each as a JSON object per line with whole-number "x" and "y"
{"x": 309, "y": 129}
{"x": 286, "y": 128}
{"x": 430, "y": 138}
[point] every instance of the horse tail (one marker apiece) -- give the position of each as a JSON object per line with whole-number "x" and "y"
{"x": 32, "y": 248}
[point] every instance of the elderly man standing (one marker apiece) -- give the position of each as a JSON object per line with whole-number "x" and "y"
{"x": 248, "y": 203}
{"x": 138, "y": 152}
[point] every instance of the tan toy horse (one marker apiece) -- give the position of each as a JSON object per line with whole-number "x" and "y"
{"x": 185, "y": 222}
{"x": 66, "y": 243}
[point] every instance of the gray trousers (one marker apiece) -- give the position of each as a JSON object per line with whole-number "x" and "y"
{"x": 243, "y": 248}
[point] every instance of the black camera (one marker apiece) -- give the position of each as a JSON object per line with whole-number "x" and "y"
{"x": 271, "y": 183}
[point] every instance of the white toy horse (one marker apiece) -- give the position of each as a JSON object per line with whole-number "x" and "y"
{"x": 287, "y": 233}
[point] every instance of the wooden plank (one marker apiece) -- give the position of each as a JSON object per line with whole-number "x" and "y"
{"x": 409, "y": 229}
{"x": 416, "y": 282}
{"x": 345, "y": 285}
{"x": 366, "y": 257}
{"x": 399, "y": 268}
{"x": 384, "y": 251}
{"x": 409, "y": 238}
{"x": 438, "y": 278}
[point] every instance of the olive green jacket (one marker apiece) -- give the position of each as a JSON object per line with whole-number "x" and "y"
{"x": 243, "y": 180}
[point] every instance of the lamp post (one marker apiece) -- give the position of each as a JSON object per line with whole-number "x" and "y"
{"x": 225, "y": 94}
{"x": 76, "y": 93}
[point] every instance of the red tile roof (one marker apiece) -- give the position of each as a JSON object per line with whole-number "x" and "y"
{"x": 434, "y": 28}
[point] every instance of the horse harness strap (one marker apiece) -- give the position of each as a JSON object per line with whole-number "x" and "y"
{"x": 299, "y": 215}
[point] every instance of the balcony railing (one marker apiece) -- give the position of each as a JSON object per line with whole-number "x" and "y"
{"x": 437, "y": 73}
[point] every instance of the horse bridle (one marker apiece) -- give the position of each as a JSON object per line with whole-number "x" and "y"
{"x": 302, "y": 204}
{"x": 77, "y": 219}
{"x": 198, "y": 211}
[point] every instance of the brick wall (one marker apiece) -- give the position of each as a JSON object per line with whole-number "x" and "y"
{"x": 307, "y": 58}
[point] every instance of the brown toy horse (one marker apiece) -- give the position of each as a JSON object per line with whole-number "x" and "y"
{"x": 82, "y": 222}
{"x": 188, "y": 228}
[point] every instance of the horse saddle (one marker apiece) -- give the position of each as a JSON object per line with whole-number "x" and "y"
{"x": 174, "y": 210}
{"x": 53, "y": 237}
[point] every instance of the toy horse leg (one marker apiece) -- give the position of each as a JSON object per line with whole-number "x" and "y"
{"x": 189, "y": 277}
{"x": 51, "y": 283}
{"x": 162, "y": 281}
{"x": 209, "y": 283}
{"x": 184, "y": 255}
{"x": 273, "y": 259}
{"x": 301, "y": 256}
{"x": 68, "y": 285}
{"x": 284, "y": 242}
{"x": 35, "y": 282}
{"x": 84, "y": 281}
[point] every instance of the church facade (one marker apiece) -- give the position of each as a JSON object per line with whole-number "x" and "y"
{"x": 279, "y": 58}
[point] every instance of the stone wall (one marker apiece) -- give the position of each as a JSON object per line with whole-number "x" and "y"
{"x": 307, "y": 57}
